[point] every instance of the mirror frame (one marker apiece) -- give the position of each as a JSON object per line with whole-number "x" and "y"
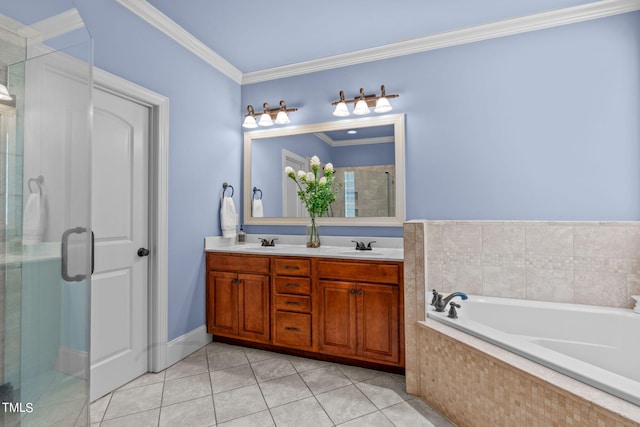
{"x": 397, "y": 120}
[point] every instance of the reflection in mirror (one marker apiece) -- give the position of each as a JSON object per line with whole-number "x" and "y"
{"x": 367, "y": 155}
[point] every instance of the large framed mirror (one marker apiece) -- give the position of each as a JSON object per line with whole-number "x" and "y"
{"x": 368, "y": 158}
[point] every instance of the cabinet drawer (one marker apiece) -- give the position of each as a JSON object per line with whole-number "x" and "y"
{"x": 360, "y": 271}
{"x": 293, "y": 266}
{"x": 293, "y": 285}
{"x": 293, "y": 329}
{"x": 237, "y": 262}
{"x": 293, "y": 303}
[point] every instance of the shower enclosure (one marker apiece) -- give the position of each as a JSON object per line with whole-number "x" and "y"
{"x": 46, "y": 246}
{"x": 367, "y": 191}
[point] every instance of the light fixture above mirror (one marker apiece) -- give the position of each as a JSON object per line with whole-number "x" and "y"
{"x": 363, "y": 103}
{"x": 269, "y": 116}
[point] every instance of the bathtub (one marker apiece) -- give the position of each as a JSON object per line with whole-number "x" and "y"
{"x": 599, "y": 346}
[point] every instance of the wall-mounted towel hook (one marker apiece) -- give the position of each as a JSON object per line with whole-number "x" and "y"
{"x": 256, "y": 190}
{"x": 224, "y": 188}
{"x": 37, "y": 180}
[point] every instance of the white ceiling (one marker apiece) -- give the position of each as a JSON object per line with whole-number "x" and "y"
{"x": 257, "y": 35}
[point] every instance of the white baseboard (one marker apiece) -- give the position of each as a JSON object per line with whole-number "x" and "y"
{"x": 72, "y": 362}
{"x": 184, "y": 345}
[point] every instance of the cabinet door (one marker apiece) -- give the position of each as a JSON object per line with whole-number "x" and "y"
{"x": 253, "y": 306}
{"x": 378, "y": 322}
{"x": 222, "y": 304}
{"x": 337, "y": 319}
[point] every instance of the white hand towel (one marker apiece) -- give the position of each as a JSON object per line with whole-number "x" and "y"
{"x": 33, "y": 219}
{"x": 256, "y": 208}
{"x": 228, "y": 219}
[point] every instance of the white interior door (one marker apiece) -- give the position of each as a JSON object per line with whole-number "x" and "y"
{"x": 119, "y": 285}
{"x": 291, "y": 204}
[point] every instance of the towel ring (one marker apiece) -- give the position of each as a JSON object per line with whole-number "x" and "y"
{"x": 255, "y": 191}
{"x": 224, "y": 188}
{"x": 38, "y": 180}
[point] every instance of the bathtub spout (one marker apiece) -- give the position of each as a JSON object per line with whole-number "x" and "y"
{"x": 441, "y": 303}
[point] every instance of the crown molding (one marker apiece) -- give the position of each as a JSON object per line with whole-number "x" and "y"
{"x": 507, "y": 27}
{"x": 166, "y": 25}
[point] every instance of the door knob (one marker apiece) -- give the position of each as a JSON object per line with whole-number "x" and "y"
{"x": 143, "y": 252}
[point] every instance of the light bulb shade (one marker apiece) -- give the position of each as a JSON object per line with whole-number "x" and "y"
{"x": 249, "y": 122}
{"x": 265, "y": 120}
{"x": 361, "y": 108}
{"x": 282, "y": 118}
{"x": 382, "y": 105}
{"x": 4, "y": 93}
{"x": 341, "y": 110}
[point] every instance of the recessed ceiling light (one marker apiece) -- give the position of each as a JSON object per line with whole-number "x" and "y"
{"x": 352, "y": 132}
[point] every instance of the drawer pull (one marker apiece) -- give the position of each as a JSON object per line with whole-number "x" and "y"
{"x": 292, "y": 285}
{"x": 292, "y": 303}
{"x": 292, "y": 267}
{"x": 290, "y": 328}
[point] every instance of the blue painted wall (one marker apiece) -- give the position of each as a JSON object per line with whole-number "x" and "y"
{"x": 205, "y": 147}
{"x": 537, "y": 126}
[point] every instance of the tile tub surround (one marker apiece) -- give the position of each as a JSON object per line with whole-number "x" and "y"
{"x": 536, "y": 249}
{"x": 596, "y": 263}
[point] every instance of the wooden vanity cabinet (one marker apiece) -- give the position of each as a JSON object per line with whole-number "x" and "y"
{"x": 292, "y": 303}
{"x": 238, "y": 293}
{"x": 349, "y": 309}
{"x": 358, "y": 316}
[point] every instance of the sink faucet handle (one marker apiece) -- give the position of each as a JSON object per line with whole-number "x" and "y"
{"x": 369, "y": 244}
{"x": 359, "y": 245}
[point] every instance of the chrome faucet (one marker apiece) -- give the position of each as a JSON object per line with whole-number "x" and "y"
{"x": 267, "y": 242}
{"x": 441, "y": 303}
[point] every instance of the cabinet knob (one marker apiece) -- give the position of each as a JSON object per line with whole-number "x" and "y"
{"x": 289, "y": 328}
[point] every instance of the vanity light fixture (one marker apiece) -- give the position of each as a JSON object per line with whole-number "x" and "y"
{"x": 363, "y": 103}
{"x": 268, "y": 117}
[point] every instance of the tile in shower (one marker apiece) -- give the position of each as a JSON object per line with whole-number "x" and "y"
{"x": 434, "y": 238}
{"x": 345, "y": 404}
{"x": 197, "y": 412}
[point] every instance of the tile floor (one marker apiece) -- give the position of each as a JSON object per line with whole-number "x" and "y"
{"x": 225, "y": 385}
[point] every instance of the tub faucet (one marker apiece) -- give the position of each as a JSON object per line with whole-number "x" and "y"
{"x": 453, "y": 314}
{"x": 441, "y": 303}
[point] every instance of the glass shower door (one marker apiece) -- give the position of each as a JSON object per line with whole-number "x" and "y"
{"x": 47, "y": 244}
